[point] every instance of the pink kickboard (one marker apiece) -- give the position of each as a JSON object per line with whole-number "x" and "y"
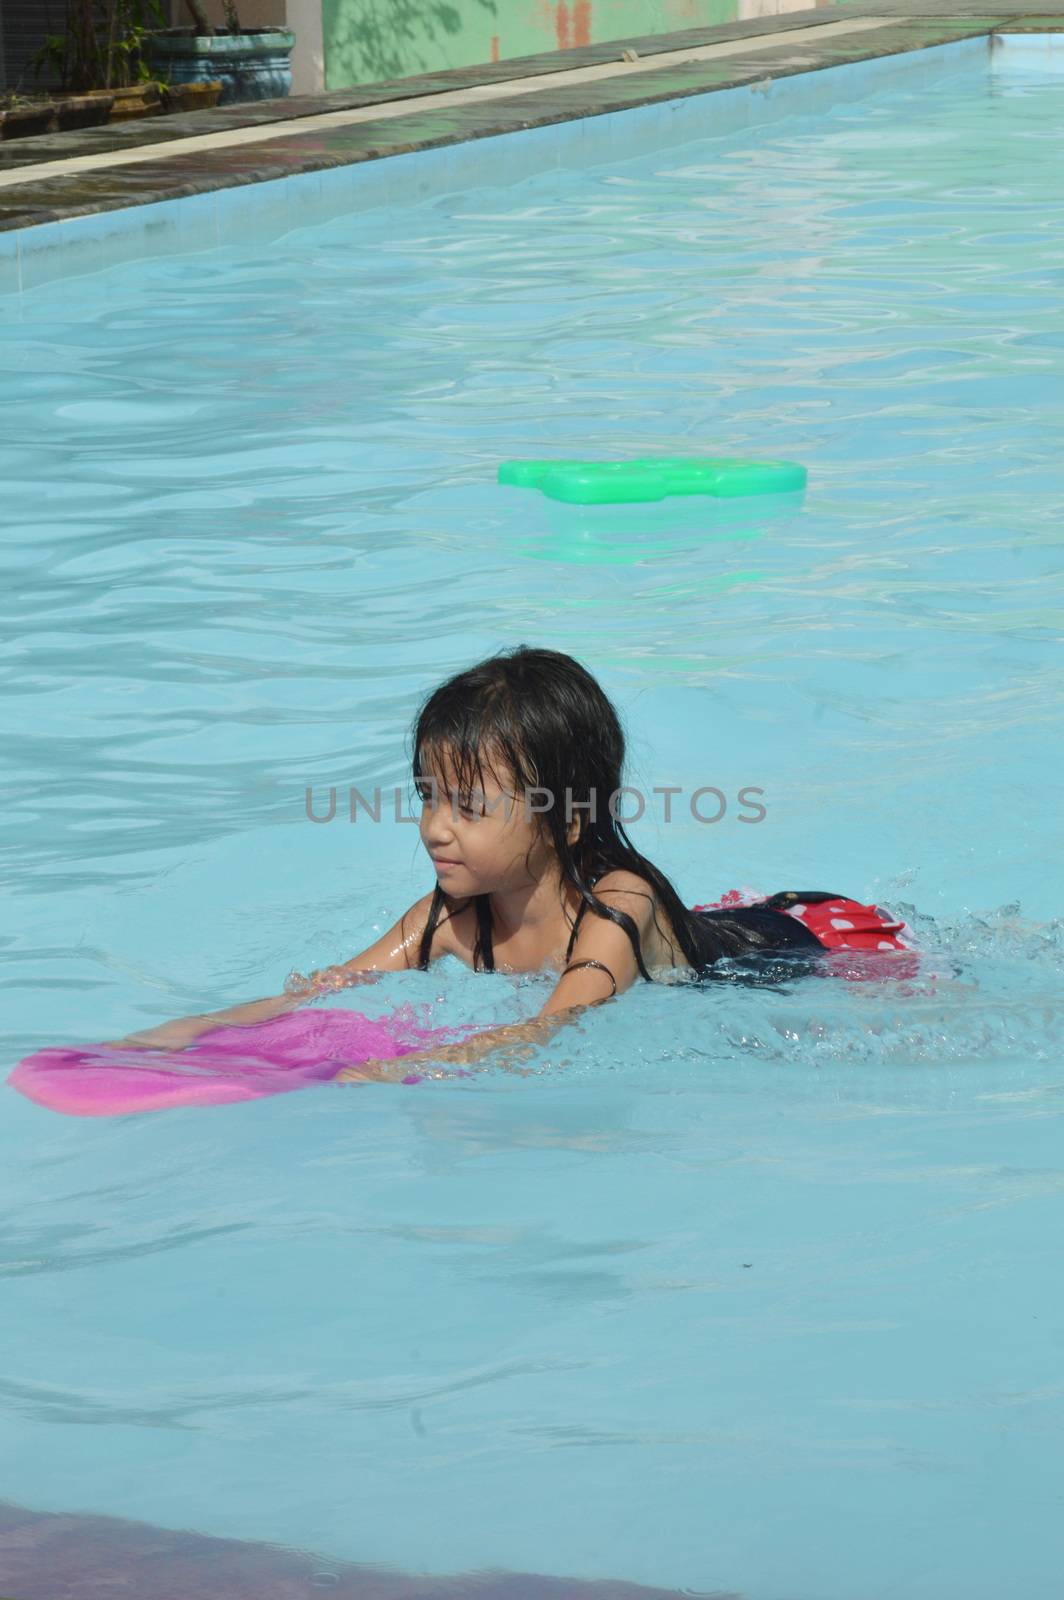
{"x": 223, "y": 1065}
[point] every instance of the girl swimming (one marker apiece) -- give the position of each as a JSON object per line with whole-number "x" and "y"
{"x": 515, "y": 761}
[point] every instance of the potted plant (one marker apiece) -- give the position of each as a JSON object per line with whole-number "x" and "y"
{"x": 101, "y": 46}
{"x": 252, "y": 63}
{"x": 99, "y": 59}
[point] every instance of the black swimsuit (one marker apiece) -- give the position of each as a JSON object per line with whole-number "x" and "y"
{"x": 738, "y": 932}
{"x": 761, "y": 943}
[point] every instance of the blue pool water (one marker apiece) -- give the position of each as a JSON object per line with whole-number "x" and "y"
{"x": 746, "y": 1292}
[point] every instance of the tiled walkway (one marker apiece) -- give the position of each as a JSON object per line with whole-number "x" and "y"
{"x": 477, "y": 94}
{"x": 103, "y": 169}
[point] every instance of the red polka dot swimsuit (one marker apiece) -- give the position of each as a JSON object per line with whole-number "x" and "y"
{"x": 835, "y": 923}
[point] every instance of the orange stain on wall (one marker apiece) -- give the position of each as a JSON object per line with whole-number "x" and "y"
{"x": 561, "y": 25}
{"x": 572, "y": 28}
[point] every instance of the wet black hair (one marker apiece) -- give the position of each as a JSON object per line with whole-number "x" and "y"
{"x": 544, "y": 715}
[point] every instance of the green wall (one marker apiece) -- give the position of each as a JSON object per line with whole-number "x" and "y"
{"x": 369, "y": 40}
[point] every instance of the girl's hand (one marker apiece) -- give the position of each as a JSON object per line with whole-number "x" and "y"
{"x": 371, "y": 1071}
{"x": 134, "y": 1043}
{"x": 506, "y": 1047}
{"x": 327, "y": 980}
{"x": 182, "y": 1032}
{"x": 167, "y": 1036}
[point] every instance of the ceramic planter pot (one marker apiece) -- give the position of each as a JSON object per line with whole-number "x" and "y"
{"x": 24, "y": 121}
{"x": 253, "y": 65}
{"x": 191, "y": 96}
{"x": 84, "y": 110}
{"x": 139, "y": 100}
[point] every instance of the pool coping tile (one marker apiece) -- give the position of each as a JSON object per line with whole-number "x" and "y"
{"x": 33, "y": 200}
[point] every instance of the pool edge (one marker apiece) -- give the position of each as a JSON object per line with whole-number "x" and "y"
{"x": 68, "y": 226}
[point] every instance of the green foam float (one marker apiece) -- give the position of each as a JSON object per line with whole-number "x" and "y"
{"x": 655, "y": 478}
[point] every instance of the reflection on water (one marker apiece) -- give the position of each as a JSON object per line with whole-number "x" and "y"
{"x": 624, "y": 535}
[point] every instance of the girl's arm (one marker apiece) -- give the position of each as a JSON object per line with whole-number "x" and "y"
{"x": 507, "y": 1046}
{"x": 176, "y": 1035}
{"x": 393, "y": 951}
{"x": 612, "y": 969}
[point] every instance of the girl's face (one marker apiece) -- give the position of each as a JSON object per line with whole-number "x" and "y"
{"x": 485, "y": 842}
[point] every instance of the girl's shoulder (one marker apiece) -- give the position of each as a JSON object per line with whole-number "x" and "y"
{"x": 621, "y": 884}
{"x": 635, "y": 895}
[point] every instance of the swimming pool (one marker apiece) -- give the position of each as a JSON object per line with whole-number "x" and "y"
{"x": 745, "y": 1292}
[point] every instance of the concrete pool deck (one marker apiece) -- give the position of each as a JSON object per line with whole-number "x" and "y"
{"x": 76, "y": 174}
